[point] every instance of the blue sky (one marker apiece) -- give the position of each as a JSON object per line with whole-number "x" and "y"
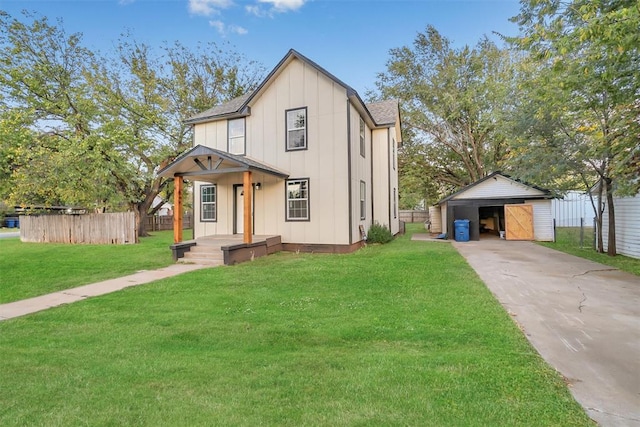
{"x": 349, "y": 38}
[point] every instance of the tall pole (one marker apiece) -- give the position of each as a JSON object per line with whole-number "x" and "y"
{"x": 177, "y": 209}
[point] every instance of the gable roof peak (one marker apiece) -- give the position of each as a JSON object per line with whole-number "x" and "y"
{"x": 239, "y": 106}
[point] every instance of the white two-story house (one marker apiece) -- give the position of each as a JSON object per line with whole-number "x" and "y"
{"x": 319, "y": 163}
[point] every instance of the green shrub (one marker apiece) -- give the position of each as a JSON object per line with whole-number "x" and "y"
{"x": 379, "y": 234}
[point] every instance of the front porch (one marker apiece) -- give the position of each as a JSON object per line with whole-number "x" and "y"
{"x": 224, "y": 249}
{"x": 206, "y": 164}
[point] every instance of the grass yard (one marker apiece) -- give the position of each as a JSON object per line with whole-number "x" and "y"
{"x": 33, "y": 269}
{"x": 401, "y": 334}
{"x": 568, "y": 241}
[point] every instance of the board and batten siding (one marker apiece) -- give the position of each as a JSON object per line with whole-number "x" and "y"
{"x": 360, "y": 172}
{"x": 385, "y": 208}
{"x": 498, "y": 187}
{"x": 627, "y": 211}
{"x": 324, "y": 162}
{"x": 542, "y": 220}
{"x": 392, "y": 168}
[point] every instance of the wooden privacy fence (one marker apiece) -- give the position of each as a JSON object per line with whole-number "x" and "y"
{"x": 108, "y": 228}
{"x": 414, "y": 216}
{"x": 165, "y": 222}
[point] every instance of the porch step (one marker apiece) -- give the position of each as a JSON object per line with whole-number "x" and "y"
{"x": 205, "y": 253}
{"x": 201, "y": 261}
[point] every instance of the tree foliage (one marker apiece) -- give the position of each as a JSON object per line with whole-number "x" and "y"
{"x": 453, "y": 101}
{"x": 91, "y": 129}
{"x": 582, "y": 112}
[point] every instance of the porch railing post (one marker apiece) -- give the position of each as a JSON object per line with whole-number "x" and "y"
{"x": 248, "y": 232}
{"x": 177, "y": 209}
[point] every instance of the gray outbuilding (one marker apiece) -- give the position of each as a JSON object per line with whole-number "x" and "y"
{"x": 498, "y": 205}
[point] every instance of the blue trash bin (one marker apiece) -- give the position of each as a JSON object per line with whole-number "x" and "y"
{"x": 11, "y": 222}
{"x": 461, "y": 230}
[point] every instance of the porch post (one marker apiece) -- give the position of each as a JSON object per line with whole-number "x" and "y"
{"x": 248, "y": 190}
{"x": 177, "y": 209}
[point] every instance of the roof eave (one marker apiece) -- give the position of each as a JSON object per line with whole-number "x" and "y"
{"x": 244, "y": 111}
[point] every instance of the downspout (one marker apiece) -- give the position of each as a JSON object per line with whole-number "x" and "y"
{"x": 389, "y": 169}
{"x": 371, "y": 173}
{"x": 349, "y": 171}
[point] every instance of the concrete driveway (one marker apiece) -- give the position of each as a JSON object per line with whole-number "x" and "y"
{"x": 582, "y": 317}
{"x": 9, "y": 234}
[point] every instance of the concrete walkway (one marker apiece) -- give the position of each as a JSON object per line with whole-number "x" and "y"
{"x": 582, "y": 317}
{"x": 33, "y": 305}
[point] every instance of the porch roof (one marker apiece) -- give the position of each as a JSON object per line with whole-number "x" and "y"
{"x": 203, "y": 161}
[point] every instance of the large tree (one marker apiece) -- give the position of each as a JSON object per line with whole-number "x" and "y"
{"x": 453, "y": 101}
{"x": 585, "y": 116}
{"x": 103, "y": 125}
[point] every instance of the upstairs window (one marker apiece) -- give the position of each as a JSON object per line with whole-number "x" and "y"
{"x": 393, "y": 160}
{"x": 236, "y": 136}
{"x": 208, "y": 203}
{"x": 362, "y": 144}
{"x": 296, "y": 129}
{"x": 298, "y": 200}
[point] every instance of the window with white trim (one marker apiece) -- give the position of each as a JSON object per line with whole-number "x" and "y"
{"x": 208, "y": 199}
{"x": 363, "y": 200}
{"x": 393, "y": 160}
{"x": 296, "y": 122}
{"x": 362, "y": 138}
{"x": 297, "y": 199}
{"x": 236, "y": 132}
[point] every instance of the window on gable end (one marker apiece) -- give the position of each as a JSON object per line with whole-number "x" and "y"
{"x": 236, "y": 132}
{"x": 296, "y": 122}
{"x": 393, "y": 160}
{"x": 362, "y": 138}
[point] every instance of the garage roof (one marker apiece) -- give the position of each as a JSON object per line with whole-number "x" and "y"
{"x": 501, "y": 186}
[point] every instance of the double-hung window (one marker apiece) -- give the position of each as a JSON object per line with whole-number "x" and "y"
{"x": 393, "y": 146}
{"x": 236, "y": 136}
{"x": 296, "y": 129}
{"x": 362, "y": 139}
{"x": 298, "y": 199}
{"x": 363, "y": 200}
{"x": 208, "y": 198}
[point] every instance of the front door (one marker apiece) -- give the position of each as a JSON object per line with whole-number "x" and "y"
{"x": 518, "y": 222}
{"x": 238, "y": 208}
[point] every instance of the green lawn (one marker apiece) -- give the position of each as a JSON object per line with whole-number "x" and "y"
{"x": 400, "y": 334}
{"x": 568, "y": 241}
{"x": 33, "y": 269}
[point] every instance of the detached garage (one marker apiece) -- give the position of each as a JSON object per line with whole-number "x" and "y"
{"x": 498, "y": 203}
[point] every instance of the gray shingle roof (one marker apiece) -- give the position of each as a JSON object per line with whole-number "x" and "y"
{"x": 384, "y": 112}
{"x": 228, "y": 107}
{"x": 191, "y": 161}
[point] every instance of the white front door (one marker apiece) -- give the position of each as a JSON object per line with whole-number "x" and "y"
{"x": 239, "y": 209}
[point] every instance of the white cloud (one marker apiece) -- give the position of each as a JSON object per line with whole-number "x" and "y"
{"x": 218, "y": 25}
{"x": 224, "y": 29}
{"x": 208, "y": 7}
{"x": 257, "y": 11}
{"x": 284, "y": 5}
{"x": 238, "y": 30}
